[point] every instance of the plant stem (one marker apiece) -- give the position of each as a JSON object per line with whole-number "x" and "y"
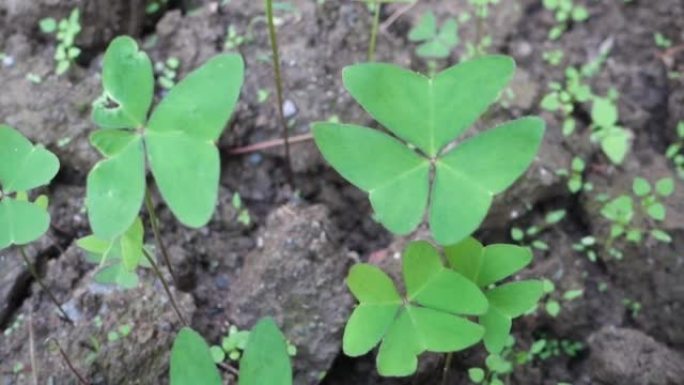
{"x": 36, "y": 276}
{"x": 279, "y": 87}
{"x": 158, "y": 272}
{"x": 32, "y": 350}
{"x": 447, "y": 366}
{"x": 265, "y": 145}
{"x": 374, "y": 32}
{"x": 66, "y": 359}
{"x": 154, "y": 222}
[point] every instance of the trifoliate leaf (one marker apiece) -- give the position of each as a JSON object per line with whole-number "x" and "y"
{"x": 23, "y": 166}
{"x": 428, "y": 113}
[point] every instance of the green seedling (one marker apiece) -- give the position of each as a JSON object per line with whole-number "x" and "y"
{"x": 482, "y": 40}
{"x": 119, "y": 258}
{"x": 565, "y": 13}
{"x": 178, "y": 139}
{"x": 614, "y": 140}
{"x": 232, "y": 345}
{"x": 486, "y": 267}
{"x": 575, "y": 176}
{"x": 497, "y": 366}
{"x": 553, "y": 304}
{"x": 243, "y": 214}
{"x": 167, "y": 72}
{"x": 625, "y": 216}
{"x": 550, "y": 348}
{"x": 554, "y": 57}
{"x": 434, "y": 43}
{"x": 587, "y": 246}
{"x": 24, "y": 167}
{"x": 634, "y": 307}
{"x": 66, "y": 31}
{"x": 430, "y": 317}
{"x": 426, "y": 114}
{"x": 661, "y": 41}
{"x": 155, "y": 6}
{"x": 529, "y": 236}
{"x": 563, "y": 97}
{"x": 233, "y": 39}
{"x": 674, "y": 151}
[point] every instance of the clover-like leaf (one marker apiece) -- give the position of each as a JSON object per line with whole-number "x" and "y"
{"x": 23, "y": 167}
{"x": 428, "y": 113}
{"x": 487, "y": 265}
{"x": 426, "y": 320}
{"x": 265, "y": 359}
{"x": 128, "y": 82}
{"x": 191, "y": 361}
{"x": 178, "y": 140}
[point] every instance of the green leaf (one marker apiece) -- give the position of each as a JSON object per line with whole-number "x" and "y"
{"x": 491, "y": 264}
{"x": 665, "y": 187}
{"x": 115, "y": 191}
{"x": 426, "y": 28}
{"x": 201, "y": 104}
{"x": 110, "y": 142}
{"x": 418, "y": 329}
{"x": 476, "y": 375}
{"x": 619, "y": 210}
{"x": 395, "y": 177}
{"x": 604, "y": 113}
{"x": 657, "y": 211}
{"x": 48, "y": 25}
{"x": 21, "y": 222}
{"x": 23, "y": 166}
{"x": 181, "y": 135}
{"x": 429, "y": 112}
{"x": 615, "y": 144}
{"x": 128, "y": 82}
{"x": 265, "y": 360}
{"x": 516, "y": 298}
{"x": 509, "y": 149}
{"x": 132, "y": 245}
{"x": 186, "y": 170}
{"x": 661, "y": 236}
{"x": 433, "y": 49}
{"x": 379, "y": 304}
{"x": 117, "y": 274}
{"x": 93, "y": 244}
{"x": 497, "y": 329}
{"x": 432, "y": 285}
{"x": 191, "y": 361}
{"x": 448, "y": 34}
{"x": 641, "y": 187}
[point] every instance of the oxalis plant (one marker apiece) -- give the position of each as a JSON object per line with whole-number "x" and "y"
{"x": 423, "y": 116}
{"x": 412, "y": 167}
{"x": 24, "y": 167}
{"x": 177, "y": 141}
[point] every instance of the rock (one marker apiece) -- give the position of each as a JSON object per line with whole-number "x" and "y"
{"x": 630, "y": 357}
{"x": 119, "y": 337}
{"x": 297, "y": 276}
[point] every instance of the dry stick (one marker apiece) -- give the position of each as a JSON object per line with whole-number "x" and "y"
{"x": 374, "y": 32}
{"x": 166, "y": 286}
{"x": 66, "y": 359}
{"x": 265, "y": 145}
{"x": 34, "y": 273}
{"x": 154, "y": 221}
{"x": 228, "y": 368}
{"x": 279, "y": 87}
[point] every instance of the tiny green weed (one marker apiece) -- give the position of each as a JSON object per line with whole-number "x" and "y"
{"x": 66, "y": 30}
{"x": 565, "y": 12}
{"x": 674, "y": 151}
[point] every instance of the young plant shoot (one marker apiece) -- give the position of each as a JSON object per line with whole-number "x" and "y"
{"x": 425, "y": 115}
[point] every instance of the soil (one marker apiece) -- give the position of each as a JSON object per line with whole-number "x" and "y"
{"x": 291, "y": 259}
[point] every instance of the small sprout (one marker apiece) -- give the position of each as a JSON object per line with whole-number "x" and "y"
{"x": 661, "y": 41}
{"x": 66, "y": 31}
{"x": 476, "y": 375}
{"x": 614, "y": 140}
{"x": 565, "y": 12}
{"x": 554, "y": 57}
{"x": 435, "y": 44}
